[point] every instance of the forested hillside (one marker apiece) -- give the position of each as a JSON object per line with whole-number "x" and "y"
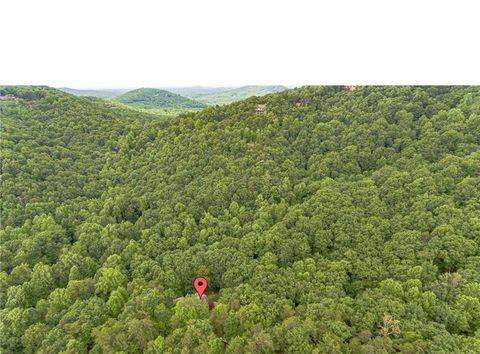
{"x": 326, "y": 220}
{"x": 151, "y": 97}
{"x": 237, "y": 94}
{"x": 196, "y": 92}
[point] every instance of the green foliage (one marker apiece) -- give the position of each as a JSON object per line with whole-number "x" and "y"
{"x": 328, "y": 221}
{"x": 151, "y": 97}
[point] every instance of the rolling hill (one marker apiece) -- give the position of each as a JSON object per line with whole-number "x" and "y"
{"x": 206, "y": 95}
{"x": 151, "y": 97}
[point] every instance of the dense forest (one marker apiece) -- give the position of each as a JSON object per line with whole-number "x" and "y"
{"x": 152, "y": 97}
{"x": 326, "y": 220}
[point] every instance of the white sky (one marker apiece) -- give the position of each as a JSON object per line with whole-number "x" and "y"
{"x": 133, "y": 43}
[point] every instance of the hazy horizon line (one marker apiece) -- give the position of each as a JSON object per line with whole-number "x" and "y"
{"x": 169, "y": 86}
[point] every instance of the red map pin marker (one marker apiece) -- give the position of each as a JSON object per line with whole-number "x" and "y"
{"x": 200, "y": 284}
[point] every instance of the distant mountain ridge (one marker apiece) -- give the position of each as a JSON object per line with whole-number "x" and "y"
{"x": 196, "y": 92}
{"x": 152, "y": 97}
{"x": 102, "y": 93}
{"x": 239, "y": 93}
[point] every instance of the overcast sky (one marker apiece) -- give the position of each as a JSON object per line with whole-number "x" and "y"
{"x": 135, "y": 43}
